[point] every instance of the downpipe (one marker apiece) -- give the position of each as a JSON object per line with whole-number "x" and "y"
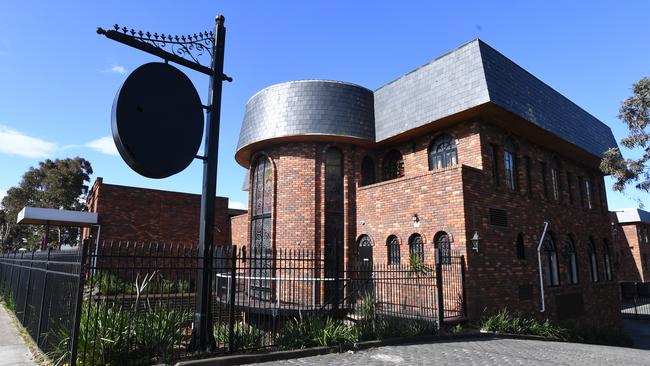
{"x": 539, "y": 268}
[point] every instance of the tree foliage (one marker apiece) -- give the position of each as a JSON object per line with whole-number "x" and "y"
{"x": 59, "y": 184}
{"x": 635, "y": 112}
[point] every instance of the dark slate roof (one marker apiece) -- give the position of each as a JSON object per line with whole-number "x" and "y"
{"x": 474, "y": 74}
{"x": 309, "y": 107}
{"x": 449, "y": 84}
{"x": 517, "y": 90}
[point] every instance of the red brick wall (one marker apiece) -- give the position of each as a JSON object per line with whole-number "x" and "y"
{"x": 494, "y": 274}
{"x": 147, "y": 215}
{"x": 632, "y": 266}
{"x": 455, "y": 200}
{"x": 240, "y": 227}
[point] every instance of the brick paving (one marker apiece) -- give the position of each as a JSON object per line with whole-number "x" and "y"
{"x": 481, "y": 352}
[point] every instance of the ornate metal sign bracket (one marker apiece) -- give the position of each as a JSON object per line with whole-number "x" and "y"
{"x": 186, "y": 50}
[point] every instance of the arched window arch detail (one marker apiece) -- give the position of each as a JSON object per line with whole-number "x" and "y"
{"x": 393, "y": 165}
{"x": 521, "y": 248}
{"x": 261, "y": 229}
{"x": 392, "y": 247}
{"x": 607, "y": 261}
{"x": 593, "y": 259}
{"x": 552, "y": 270}
{"x": 442, "y": 243}
{"x": 510, "y": 165}
{"x": 334, "y": 223}
{"x": 367, "y": 171}
{"x": 442, "y": 152}
{"x": 572, "y": 260}
{"x": 416, "y": 247}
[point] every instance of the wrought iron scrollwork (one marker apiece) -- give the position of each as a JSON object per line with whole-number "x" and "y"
{"x": 190, "y": 47}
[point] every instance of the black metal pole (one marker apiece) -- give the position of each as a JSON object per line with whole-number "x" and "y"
{"x": 202, "y": 334}
{"x": 439, "y": 289}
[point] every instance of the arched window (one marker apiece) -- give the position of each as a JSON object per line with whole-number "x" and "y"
{"x": 572, "y": 260}
{"x": 393, "y": 165}
{"x": 593, "y": 261}
{"x": 261, "y": 227}
{"x": 442, "y": 153}
{"x": 510, "y": 165}
{"x": 443, "y": 245}
{"x": 551, "y": 265}
{"x": 521, "y": 249}
{"x": 607, "y": 262}
{"x": 556, "y": 189}
{"x": 416, "y": 247}
{"x": 589, "y": 192}
{"x": 367, "y": 171}
{"x": 333, "y": 213}
{"x": 392, "y": 246}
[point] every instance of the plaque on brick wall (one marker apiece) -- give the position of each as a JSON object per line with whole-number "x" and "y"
{"x": 157, "y": 120}
{"x": 569, "y": 306}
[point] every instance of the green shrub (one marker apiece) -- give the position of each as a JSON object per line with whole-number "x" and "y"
{"x": 8, "y": 300}
{"x": 244, "y": 336}
{"x": 303, "y": 332}
{"x": 111, "y": 335}
{"x": 370, "y": 326}
{"x": 505, "y": 322}
{"x": 108, "y": 284}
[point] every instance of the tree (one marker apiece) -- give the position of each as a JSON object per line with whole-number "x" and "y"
{"x": 635, "y": 112}
{"x": 59, "y": 184}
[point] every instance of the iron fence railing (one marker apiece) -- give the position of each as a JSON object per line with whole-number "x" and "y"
{"x": 133, "y": 303}
{"x": 43, "y": 289}
{"x": 635, "y": 300}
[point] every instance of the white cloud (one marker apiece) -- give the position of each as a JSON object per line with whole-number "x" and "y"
{"x": 104, "y": 145}
{"x": 238, "y": 205}
{"x": 3, "y": 193}
{"x": 14, "y": 142}
{"x": 117, "y": 69}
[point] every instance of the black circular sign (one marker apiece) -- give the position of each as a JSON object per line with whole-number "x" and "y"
{"x": 157, "y": 120}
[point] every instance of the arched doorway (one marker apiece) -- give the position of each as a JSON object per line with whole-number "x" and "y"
{"x": 364, "y": 266}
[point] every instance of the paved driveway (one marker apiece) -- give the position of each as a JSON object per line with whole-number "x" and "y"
{"x": 482, "y": 352}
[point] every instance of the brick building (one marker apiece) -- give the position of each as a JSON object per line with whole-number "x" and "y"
{"x": 633, "y": 234}
{"x": 469, "y": 144}
{"x": 141, "y": 215}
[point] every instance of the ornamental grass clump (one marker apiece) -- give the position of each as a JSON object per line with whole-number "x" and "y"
{"x": 505, "y": 322}
{"x": 314, "y": 331}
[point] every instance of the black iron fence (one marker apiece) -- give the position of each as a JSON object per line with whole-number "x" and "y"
{"x": 635, "y": 300}
{"x": 134, "y": 303}
{"x": 43, "y": 290}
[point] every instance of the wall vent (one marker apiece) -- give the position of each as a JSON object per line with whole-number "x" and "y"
{"x": 498, "y": 217}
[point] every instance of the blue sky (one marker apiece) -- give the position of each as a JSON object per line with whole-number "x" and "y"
{"x": 58, "y": 78}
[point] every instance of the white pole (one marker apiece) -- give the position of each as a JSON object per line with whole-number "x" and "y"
{"x": 539, "y": 267}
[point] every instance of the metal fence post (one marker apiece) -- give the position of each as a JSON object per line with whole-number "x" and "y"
{"x": 462, "y": 281}
{"x": 29, "y": 284}
{"x": 18, "y": 286}
{"x": 74, "y": 337}
{"x": 40, "y": 314}
{"x": 439, "y": 289}
{"x": 231, "y": 300}
{"x": 11, "y": 278}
